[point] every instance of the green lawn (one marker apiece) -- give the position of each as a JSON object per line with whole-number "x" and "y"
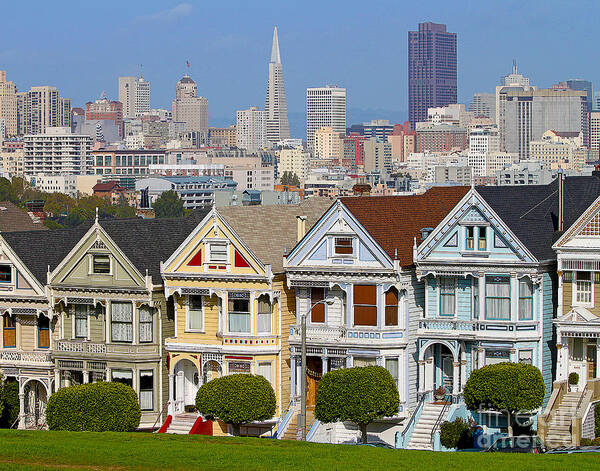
{"x": 80, "y": 450}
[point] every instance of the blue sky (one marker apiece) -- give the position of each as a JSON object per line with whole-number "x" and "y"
{"x": 82, "y": 47}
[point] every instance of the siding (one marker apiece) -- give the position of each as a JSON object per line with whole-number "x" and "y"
{"x": 432, "y": 299}
{"x": 96, "y": 328}
{"x": 28, "y": 337}
{"x": 464, "y": 298}
{"x": 416, "y": 308}
{"x": 548, "y": 353}
{"x": 288, "y": 318}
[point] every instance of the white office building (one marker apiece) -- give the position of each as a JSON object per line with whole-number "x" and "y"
{"x": 325, "y": 106}
{"x": 250, "y": 129}
{"x": 134, "y": 93}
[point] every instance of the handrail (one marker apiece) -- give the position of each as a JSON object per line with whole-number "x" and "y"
{"x": 282, "y": 421}
{"x": 159, "y": 415}
{"x": 414, "y": 414}
{"x": 581, "y": 398}
{"x": 310, "y": 433}
{"x": 439, "y": 419}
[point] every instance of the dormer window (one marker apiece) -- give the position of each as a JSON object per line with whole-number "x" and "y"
{"x": 483, "y": 238}
{"x": 100, "y": 264}
{"x": 217, "y": 252}
{"x": 343, "y": 246}
{"x": 5, "y": 273}
{"x": 470, "y": 237}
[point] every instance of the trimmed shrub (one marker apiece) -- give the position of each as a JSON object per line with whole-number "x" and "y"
{"x": 237, "y": 399}
{"x": 586, "y": 441}
{"x": 457, "y": 434}
{"x": 96, "y": 407}
{"x": 505, "y": 387}
{"x": 573, "y": 378}
{"x": 9, "y": 403}
{"x": 360, "y": 395}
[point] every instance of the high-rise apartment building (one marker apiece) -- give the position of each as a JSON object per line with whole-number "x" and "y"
{"x": 57, "y": 151}
{"x": 250, "y": 129}
{"x": 483, "y": 104}
{"x": 378, "y": 155}
{"x": 482, "y": 143}
{"x": 327, "y": 143}
{"x": 325, "y": 106}
{"x": 528, "y": 114}
{"x": 222, "y": 137}
{"x": 296, "y": 161}
{"x": 8, "y": 105}
{"x": 595, "y": 135}
{"x": 189, "y": 108}
{"x": 42, "y": 108}
{"x": 432, "y": 77}
{"x": 134, "y": 93}
{"x": 278, "y": 125}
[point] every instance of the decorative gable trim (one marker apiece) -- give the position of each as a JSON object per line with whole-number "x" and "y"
{"x": 587, "y": 225}
{"x": 21, "y": 269}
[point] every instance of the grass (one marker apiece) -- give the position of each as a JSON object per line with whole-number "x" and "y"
{"x": 26, "y": 450}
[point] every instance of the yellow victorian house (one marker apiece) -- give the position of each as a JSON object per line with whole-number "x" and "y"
{"x": 233, "y": 310}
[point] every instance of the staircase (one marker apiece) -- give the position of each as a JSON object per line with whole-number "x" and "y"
{"x": 559, "y": 428}
{"x": 182, "y": 423}
{"x": 292, "y": 430}
{"x": 421, "y": 436}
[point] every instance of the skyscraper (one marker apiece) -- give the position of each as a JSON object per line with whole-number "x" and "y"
{"x": 325, "y": 106}
{"x": 278, "y": 126}
{"x": 188, "y": 107}
{"x": 8, "y": 105}
{"x": 431, "y": 70}
{"x": 134, "y": 93}
{"x": 579, "y": 85}
{"x": 43, "y": 107}
{"x": 250, "y": 129}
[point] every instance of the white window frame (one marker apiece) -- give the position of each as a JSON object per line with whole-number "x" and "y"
{"x": 87, "y": 312}
{"x": 265, "y": 364}
{"x": 110, "y": 264}
{"x": 210, "y": 252}
{"x": 342, "y": 255}
{"x": 575, "y": 291}
{"x": 250, "y": 313}
{"x": 439, "y": 310}
{"x": 187, "y": 314}
{"x": 258, "y": 331}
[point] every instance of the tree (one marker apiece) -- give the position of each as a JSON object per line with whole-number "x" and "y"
{"x": 237, "y": 399}
{"x": 52, "y": 224}
{"x": 58, "y": 204}
{"x": 9, "y": 403}
{"x": 168, "y": 205}
{"x": 290, "y": 178}
{"x": 506, "y": 387}
{"x": 7, "y": 192}
{"x": 360, "y": 395}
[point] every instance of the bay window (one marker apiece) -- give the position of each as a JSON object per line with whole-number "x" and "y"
{"x": 121, "y": 325}
{"x": 365, "y": 305}
{"x": 195, "y": 314}
{"x": 497, "y": 297}
{"x": 475, "y": 288}
{"x": 145, "y": 324}
{"x": 146, "y": 390}
{"x": 264, "y": 315}
{"x": 583, "y": 287}
{"x": 391, "y": 364}
{"x": 239, "y": 316}
{"x": 9, "y": 327}
{"x": 266, "y": 371}
{"x": 447, "y": 296}
{"x": 43, "y": 332}
{"x": 81, "y": 321}
{"x": 525, "y": 299}
{"x": 317, "y": 314}
{"x": 122, "y": 376}
{"x": 391, "y": 307}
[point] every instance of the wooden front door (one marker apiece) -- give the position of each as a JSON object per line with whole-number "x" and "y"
{"x": 591, "y": 361}
{"x": 314, "y": 372}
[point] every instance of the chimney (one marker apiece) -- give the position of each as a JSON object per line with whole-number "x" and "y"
{"x": 301, "y": 220}
{"x": 596, "y": 171}
{"x": 561, "y": 200}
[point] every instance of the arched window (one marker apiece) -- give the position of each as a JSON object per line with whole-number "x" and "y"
{"x": 43, "y": 332}
{"x": 391, "y": 307}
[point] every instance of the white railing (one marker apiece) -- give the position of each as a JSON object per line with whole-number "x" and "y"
{"x": 319, "y": 332}
{"x": 80, "y": 347}
{"x": 447, "y": 324}
{"x": 477, "y": 325}
{"x": 25, "y": 357}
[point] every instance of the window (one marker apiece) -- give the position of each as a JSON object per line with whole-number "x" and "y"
{"x": 239, "y": 367}
{"x": 391, "y": 306}
{"x": 5, "y": 273}
{"x": 447, "y": 296}
{"x": 526, "y": 356}
{"x": 146, "y": 325}
{"x": 265, "y": 370}
{"x": 318, "y": 312}
{"x": 475, "y": 286}
{"x": 343, "y": 245}
{"x": 583, "y": 287}
{"x": 525, "y": 299}
{"x": 43, "y": 332}
{"x": 122, "y": 376}
{"x": 121, "y": 326}
{"x": 239, "y": 315}
{"x": 218, "y": 252}
{"x": 195, "y": 316}
{"x": 577, "y": 350}
{"x": 365, "y": 361}
{"x": 264, "y": 315}
{"x": 365, "y": 305}
{"x": 470, "y": 237}
{"x": 496, "y": 356}
{"x": 391, "y": 364}
{"x": 101, "y": 264}
{"x": 9, "y": 332}
{"x": 483, "y": 238}
{"x": 81, "y": 321}
{"x": 497, "y": 297}
{"x": 146, "y": 390}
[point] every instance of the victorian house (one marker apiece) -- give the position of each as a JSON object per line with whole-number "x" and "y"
{"x": 490, "y": 283}
{"x": 359, "y": 257}
{"x": 233, "y": 307}
{"x": 570, "y": 412}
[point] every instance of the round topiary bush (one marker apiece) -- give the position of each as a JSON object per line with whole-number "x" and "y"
{"x": 457, "y": 434}
{"x": 96, "y": 407}
{"x": 237, "y": 399}
{"x": 573, "y": 378}
{"x": 9, "y": 403}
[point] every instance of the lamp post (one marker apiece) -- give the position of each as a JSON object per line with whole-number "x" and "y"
{"x": 329, "y": 302}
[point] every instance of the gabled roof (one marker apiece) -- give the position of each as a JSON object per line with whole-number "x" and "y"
{"x": 394, "y": 221}
{"x": 145, "y": 242}
{"x": 108, "y": 186}
{"x": 531, "y": 211}
{"x": 13, "y": 218}
{"x": 272, "y": 231}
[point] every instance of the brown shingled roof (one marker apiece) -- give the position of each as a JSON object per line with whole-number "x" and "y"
{"x": 13, "y": 219}
{"x": 394, "y": 221}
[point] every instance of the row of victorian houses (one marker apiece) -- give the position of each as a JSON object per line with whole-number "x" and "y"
{"x": 429, "y": 286}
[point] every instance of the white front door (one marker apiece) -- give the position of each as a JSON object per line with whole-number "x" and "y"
{"x": 447, "y": 373}
{"x": 191, "y": 384}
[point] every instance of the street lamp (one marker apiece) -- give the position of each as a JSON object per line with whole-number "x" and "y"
{"x": 329, "y": 301}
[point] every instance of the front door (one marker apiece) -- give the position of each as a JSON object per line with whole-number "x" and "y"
{"x": 314, "y": 371}
{"x": 447, "y": 373}
{"x": 591, "y": 361}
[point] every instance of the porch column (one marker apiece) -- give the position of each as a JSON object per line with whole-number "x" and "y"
{"x": 171, "y": 392}
{"x": 292, "y": 375}
{"x": 480, "y": 357}
{"x": 86, "y": 377}
{"x": 455, "y": 377}
{"x": 67, "y": 378}
{"x": 463, "y": 369}
{"x": 597, "y": 358}
{"x": 21, "y": 408}
{"x": 324, "y": 365}
{"x": 421, "y": 376}
{"x": 57, "y": 384}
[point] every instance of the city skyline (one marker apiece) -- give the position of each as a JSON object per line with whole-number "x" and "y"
{"x": 218, "y": 52}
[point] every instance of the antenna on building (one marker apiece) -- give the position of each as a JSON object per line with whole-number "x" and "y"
{"x": 515, "y": 66}
{"x": 141, "y": 70}
{"x": 187, "y": 65}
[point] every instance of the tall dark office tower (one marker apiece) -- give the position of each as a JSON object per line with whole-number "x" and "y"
{"x": 431, "y": 70}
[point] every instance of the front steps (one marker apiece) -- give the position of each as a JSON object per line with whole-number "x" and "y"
{"x": 182, "y": 423}
{"x": 292, "y": 430}
{"x": 421, "y": 436}
{"x": 559, "y": 428}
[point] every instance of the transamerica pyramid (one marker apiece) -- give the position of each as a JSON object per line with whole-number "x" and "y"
{"x": 278, "y": 126}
